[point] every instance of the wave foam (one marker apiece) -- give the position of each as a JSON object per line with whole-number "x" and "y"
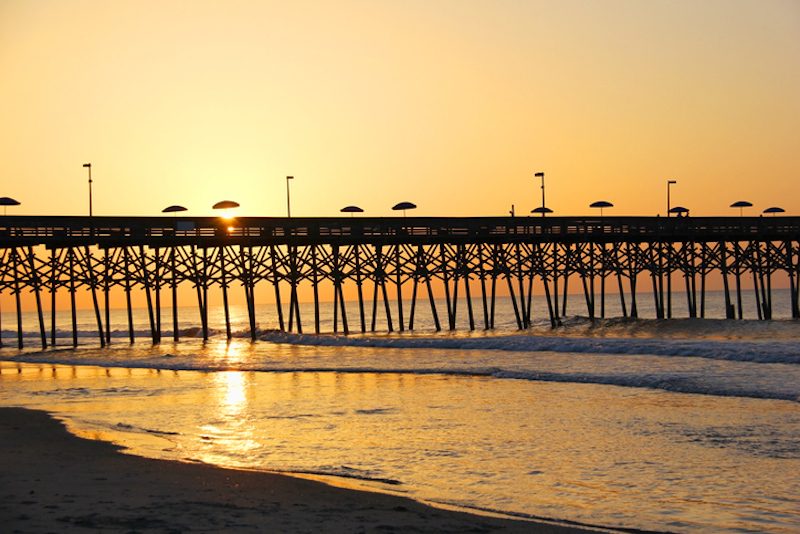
{"x": 734, "y": 350}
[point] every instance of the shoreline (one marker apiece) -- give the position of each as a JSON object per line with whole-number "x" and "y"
{"x": 54, "y": 481}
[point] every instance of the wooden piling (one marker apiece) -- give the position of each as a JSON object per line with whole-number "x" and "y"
{"x": 399, "y": 284}
{"x": 338, "y": 291}
{"x": 729, "y": 312}
{"x": 157, "y": 288}
{"x": 53, "y": 287}
{"x": 456, "y": 277}
{"x": 15, "y": 260}
{"x": 71, "y": 255}
{"x": 127, "y": 277}
{"x": 36, "y": 282}
{"x": 521, "y": 286}
{"x": 315, "y": 286}
{"x": 482, "y": 278}
{"x": 294, "y": 279}
{"x": 154, "y": 335}
{"x": 554, "y": 270}
{"x": 359, "y": 289}
{"x": 248, "y": 282}
{"x": 93, "y": 288}
{"x": 106, "y": 289}
{"x": 198, "y": 273}
{"x": 737, "y": 271}
{"x": 224, "y": 284}
{"x": 380, "y": 275}
{"x": 276, "y": 285}
{"x": 451, "y": 321}
{"x": 467, "y": 293}
{"x": 174, "y": 286}
{"x": 495, "y": 272}
{"x": 414, "y": 285}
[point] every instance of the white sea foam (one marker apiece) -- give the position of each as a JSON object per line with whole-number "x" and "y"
{"x": 734, "y": 350}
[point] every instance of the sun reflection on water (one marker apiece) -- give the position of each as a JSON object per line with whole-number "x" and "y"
{"x": 228, "y": 436}
{"x": 231, "y": 354}
{"x": 230, "y": 392}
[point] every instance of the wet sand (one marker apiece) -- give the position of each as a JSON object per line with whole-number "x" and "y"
{"x": 53, "y": 481}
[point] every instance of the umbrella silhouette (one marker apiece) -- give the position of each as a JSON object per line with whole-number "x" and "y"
{"x": 173, "y": 209}
{"x": 773, "y": 210}
{"x": 741, "y": 204}
{"x": 404, "y": 206}
{"x": 679, "y": 209}
{"x": 225, "y": 205}
{"x": 351, "y": 210}
{"x": 601, "y": 204}
{"x": 5, "y": 202}
{"x": 541, "y": 210}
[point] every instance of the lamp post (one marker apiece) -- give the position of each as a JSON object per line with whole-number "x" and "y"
{"x": 288, "y": 200}
{"x": 541, "y": 174}
{"x": 89, "y": 166}
{"x": 669, "y": 183}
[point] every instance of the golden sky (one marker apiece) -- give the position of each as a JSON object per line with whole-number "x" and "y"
{"x": 452, "y": 105}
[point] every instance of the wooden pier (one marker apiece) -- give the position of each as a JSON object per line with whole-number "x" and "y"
{"x": 389, "y": 260}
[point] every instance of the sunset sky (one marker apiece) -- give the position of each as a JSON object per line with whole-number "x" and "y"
{"x": 452, "y": 105}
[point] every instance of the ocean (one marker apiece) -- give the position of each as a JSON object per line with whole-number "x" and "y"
{"x": 680, "y": 425}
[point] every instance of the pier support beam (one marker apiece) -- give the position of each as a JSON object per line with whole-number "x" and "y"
{"x": 93, "y": 287}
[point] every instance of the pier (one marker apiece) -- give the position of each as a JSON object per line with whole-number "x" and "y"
{"x": 387, "y": 261}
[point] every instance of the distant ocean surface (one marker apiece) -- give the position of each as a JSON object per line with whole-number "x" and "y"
{"x": 681, "y": 425}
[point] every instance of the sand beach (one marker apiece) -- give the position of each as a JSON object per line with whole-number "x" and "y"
{"x": 53, "y": 481}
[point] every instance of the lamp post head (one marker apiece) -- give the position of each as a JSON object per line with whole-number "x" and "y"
{"x": 539, "y": 175}
{"x": 87, "y": 164}
{"x": 672, "y": 182}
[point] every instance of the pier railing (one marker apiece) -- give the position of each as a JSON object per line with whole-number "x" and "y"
{"x": 55, "y": 231}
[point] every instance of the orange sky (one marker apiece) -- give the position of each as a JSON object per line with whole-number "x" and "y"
{"x": 453, "y": 105}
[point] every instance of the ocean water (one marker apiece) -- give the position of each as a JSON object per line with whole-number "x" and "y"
{"x": 681, "y": 425}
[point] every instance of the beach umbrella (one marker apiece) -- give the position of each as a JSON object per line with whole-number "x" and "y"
{"x": 773, "y": 210}
{"x": 5, "y": 202}
{"x": 541, "y": 210}
{"x": 404, "y": 206}
{"x": 351, "y": 210}
{"x": 225, "y": 205}
{"x": 741, "y": 204}
{"x": 601, "y": 204}
{"x": 679, "y": 210}
{"x": 173, "y": 209}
